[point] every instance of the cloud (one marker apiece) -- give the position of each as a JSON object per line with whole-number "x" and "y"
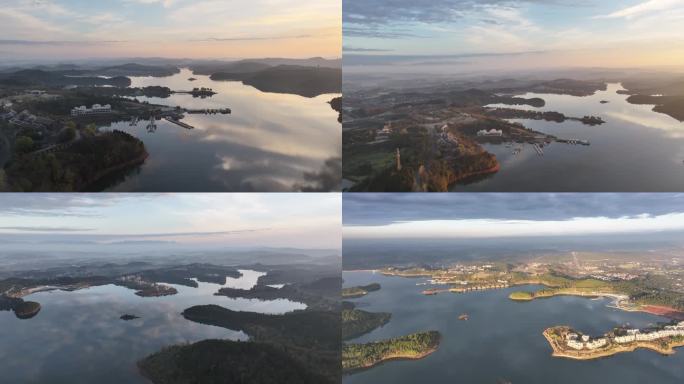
{"x": 361, "y": 59}
{"x": 254, "y": 38}
{"x": 383, "y": 209}
{"x": 647, "y": 7}
{"x": 46, "y": 229}
{"x": 55, "y": 205}
{"x": 371, "y": 18}
{"x": 359, "y": 49}
{"x": 59, "y": 42}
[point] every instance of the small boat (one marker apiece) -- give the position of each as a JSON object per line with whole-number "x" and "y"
{"x": 464, "y": 316}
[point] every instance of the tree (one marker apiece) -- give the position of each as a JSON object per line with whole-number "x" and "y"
{"x": 24, "y": 144}
{"x": 91, "y": 129}
{"x": 2, "y": 180}
{"x": 66, "y": 135}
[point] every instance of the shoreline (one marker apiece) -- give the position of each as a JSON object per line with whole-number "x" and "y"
{"x": 106, "y": 172}
{"x": 488, "y": 171}
{"x": 394, "y": 357}
{"x": 655, "y": 310}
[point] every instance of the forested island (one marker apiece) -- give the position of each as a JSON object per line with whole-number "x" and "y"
{"x": 22, "y": 309}
{"x": 360, "y": 291}
{"x": 411, "y": 347}
{"x": 357, "y": 322}
{"x": 509, "y": 113}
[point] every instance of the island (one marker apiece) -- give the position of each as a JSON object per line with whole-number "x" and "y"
{"x": 415, "y": 346}
{"x": 360, "y": 291}
{"x": 571, "y": 344}
{"x": 128, "y": 317}
{"x": 509, "y": 113}
{"x": 356, "y": 322}
{"x": 311, "y": 338}
{"x": 22, "y": 309}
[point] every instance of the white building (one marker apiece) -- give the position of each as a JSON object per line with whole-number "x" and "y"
{"x": 490, "y": 133}
{"x": 97, "y": 109}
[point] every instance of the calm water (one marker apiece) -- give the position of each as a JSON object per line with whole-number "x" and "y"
{"x": 636, "y": 150}
{"x": 502, "y": 341}
{"x": 78, "y": 337}
{"x": 268, "y": 143}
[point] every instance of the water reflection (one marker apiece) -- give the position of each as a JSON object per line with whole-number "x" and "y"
{"x": 637, "y": 149}
{"x": 78, "y": 337}
{"x": 271, "y": 142}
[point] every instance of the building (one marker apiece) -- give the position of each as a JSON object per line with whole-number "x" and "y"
{"x": 490, "y": 133}
{"x": 25, "y": 119}
{"x": 97, "y": 109}
{"x": 384, "y": 133}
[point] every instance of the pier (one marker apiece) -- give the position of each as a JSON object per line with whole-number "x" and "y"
{"x": 539, "y": 149}
{"x": 222, "y": 111}
{"x": 574, "y": 141}
{"x": 179, "y": 123}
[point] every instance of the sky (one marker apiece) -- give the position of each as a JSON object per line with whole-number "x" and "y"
{"x": 249, "y": 220}
{"x": 85, "y": 29}
{"x": 520, "y": 34}
{"x": 507, "y": 215}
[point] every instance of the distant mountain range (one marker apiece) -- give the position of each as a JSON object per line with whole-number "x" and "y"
{"x": 299, "y": 80}
{"x": 306, "y": 77}
{"x": 38, "y": 77}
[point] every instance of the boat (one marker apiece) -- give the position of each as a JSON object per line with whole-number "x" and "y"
{"x": 464, "y": 316}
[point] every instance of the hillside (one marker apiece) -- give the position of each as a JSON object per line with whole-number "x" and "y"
{"x": 298, "y": 80}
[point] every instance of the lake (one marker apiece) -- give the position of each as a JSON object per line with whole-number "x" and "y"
{"x": 502, "y": 342}
{"x": 270, "y": 142}
{"x": 78, "y": 337}
{"x": 636, "y": 150}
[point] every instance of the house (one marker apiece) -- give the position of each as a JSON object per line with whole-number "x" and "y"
{"x": 97, "y": 109}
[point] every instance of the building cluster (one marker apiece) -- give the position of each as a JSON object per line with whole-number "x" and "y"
{"x": 578, "y": 342}
{"x": 490, "y": 133}
{"x": 25, "y": 119}
{"x": 446, "y": 138}
{"x": 384, "y": 133}
{"x": 97, "y": 109}
{"x": 636, "y": 334}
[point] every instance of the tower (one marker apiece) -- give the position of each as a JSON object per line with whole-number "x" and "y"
{"x": 398, "y": 160}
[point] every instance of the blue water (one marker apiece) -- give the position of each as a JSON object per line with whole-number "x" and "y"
{"x": 502, "y": 341}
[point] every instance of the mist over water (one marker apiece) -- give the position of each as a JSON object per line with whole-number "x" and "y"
{"x": 78, "y": 337}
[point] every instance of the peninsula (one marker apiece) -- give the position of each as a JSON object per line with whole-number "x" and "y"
{"x": 571, "y": 344}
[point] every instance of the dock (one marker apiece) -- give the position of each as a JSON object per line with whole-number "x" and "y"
{"x": 574, "y": 141}
{"x": 179, "y": 123}
{"x": 222, "y": 111}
